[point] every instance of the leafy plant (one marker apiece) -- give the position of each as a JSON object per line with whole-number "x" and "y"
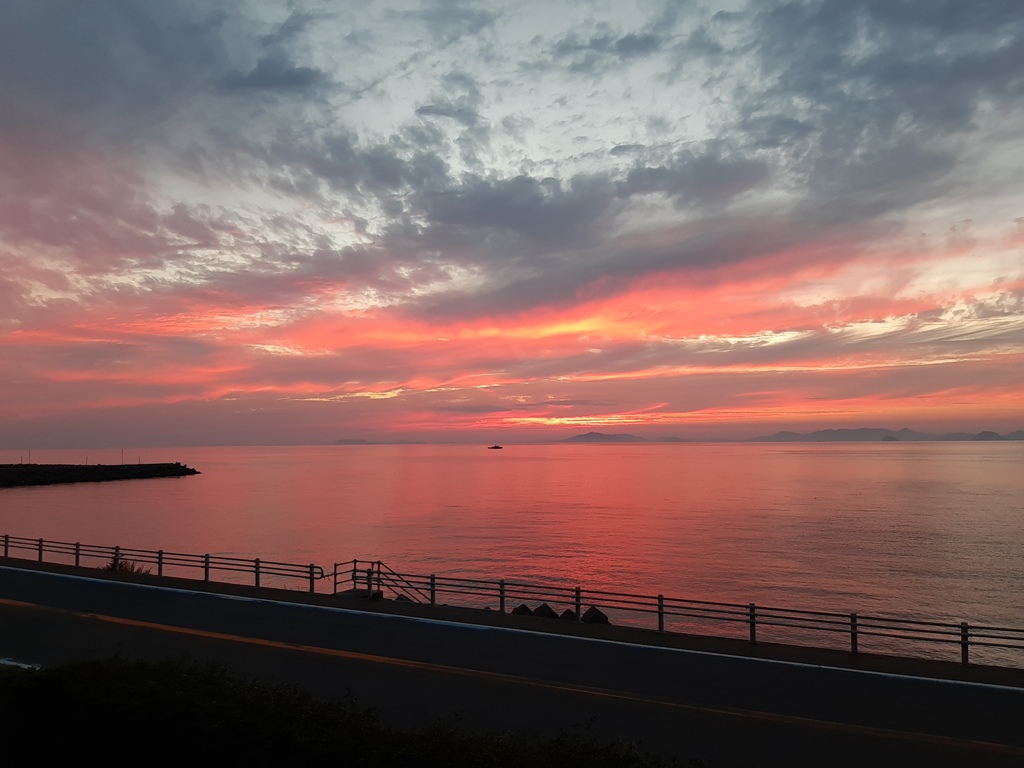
{"x": 125, "y": 566}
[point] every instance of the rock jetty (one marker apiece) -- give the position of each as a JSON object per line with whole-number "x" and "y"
{"x": 17, "y": 475}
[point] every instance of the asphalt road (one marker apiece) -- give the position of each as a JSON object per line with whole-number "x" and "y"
{"x": 677, "y": 703}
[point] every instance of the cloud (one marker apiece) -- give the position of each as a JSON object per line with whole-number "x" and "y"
{"x": 386, "y": 208}
{"x": 707, "y": 178}
{"x": 275, "y": 71}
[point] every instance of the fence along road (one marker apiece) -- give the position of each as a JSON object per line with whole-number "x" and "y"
{"x": 888, "y": 634}
{"x": 677, "y": 703}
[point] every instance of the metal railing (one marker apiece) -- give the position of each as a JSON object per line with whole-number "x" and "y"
{"x": 665, "y": 614}
{"x": 847, "y": 630}
{"x": 128, "y": 559}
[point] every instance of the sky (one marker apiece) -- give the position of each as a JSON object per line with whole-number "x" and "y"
{"x": 268, "y": 222}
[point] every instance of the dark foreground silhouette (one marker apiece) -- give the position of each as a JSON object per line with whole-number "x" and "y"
{"x": 200, "y": 712}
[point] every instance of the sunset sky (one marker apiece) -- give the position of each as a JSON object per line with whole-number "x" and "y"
{"x": 291, "y": 222}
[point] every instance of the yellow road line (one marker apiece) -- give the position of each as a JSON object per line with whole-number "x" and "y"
{"x": 424, "y": 666}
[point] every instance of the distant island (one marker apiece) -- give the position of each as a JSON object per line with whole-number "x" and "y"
{"x": 360, "y": 441}
{"x": 868, "y": 435}
{"x": 19, "y": 475}
{"x": 845, "y": 435}
{"x": 601, "y": 437}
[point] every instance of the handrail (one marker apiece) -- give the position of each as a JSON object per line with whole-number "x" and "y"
{"x": 127, "y": 559}
{"x": 379, "y": 579}
{"x": 670, "y": 613}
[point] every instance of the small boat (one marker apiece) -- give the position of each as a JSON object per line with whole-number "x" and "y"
{"x": 494, "y": 447}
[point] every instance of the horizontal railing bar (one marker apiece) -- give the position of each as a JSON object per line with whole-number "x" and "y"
{"x": 914, "y": 638}
{"x": 897, "y": 620}
{"x": 953, "y": 630}
{"x": 977, "y": 629}
{"x": 798, "y": 621}
{"x": 836, "y": 629}
{"x": 671, "y": 599}
{"x": 996, "y": 645}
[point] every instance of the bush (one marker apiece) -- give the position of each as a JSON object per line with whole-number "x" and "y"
{"x": 125, "y": 566}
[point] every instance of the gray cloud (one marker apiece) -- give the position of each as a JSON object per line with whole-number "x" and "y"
{"x": 462, "y": 114}
{"x": 707, "y": 178}
{"x": 625, "y": 47}
{"x": 275, "y": 71}
{"x": 108, "y": 72}
{"x": 539, "y": 210}
{"x": 873, "y": 82}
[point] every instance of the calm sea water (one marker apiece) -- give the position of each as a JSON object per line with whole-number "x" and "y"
{"x": 924, "y": 529}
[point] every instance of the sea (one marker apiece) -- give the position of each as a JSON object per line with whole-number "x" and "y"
{"x": 928, "y": 530}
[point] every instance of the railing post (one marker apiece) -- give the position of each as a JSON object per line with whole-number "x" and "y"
{"x": 117, "y": 558}
{"x": 159, "y": 562}
{"x": 380, "y": 577}
{"x": 579, "y": 604}
{"x": 206, "y": 567}
{"x": 78, "y": 553}
{"x": 40, "y": 550}
{"x": 752, "y": 620}
{"x": 312, "y": 578}
{"x": 256, "y": 570}
{"x": 853, "y": 632}
{"x": 661, "y": 613}
{"x": 501, "y": 595}
{"x": 433, "y": 589}
{"x": 965, "y": 642}
{"x": 7, "y": 542}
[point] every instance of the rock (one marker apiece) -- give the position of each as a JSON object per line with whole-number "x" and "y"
{"x": 545, "y": 610}
{"x": 522, "y": 610}
{"x": 568, "y": 614}
{"x": 594, "y": 615}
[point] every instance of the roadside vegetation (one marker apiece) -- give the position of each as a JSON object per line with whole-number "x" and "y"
{"x": 126, "y": 566}
{"x": 135, "y": 711}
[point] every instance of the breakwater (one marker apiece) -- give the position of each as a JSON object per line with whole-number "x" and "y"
{"x": 17, "y": 475}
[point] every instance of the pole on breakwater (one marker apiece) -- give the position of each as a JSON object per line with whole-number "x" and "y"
{"x": 752, "y": 620}
{"x": 501, "y": 595}
{"x": 965, "y": 642}
{"x": 853, "y": 632}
